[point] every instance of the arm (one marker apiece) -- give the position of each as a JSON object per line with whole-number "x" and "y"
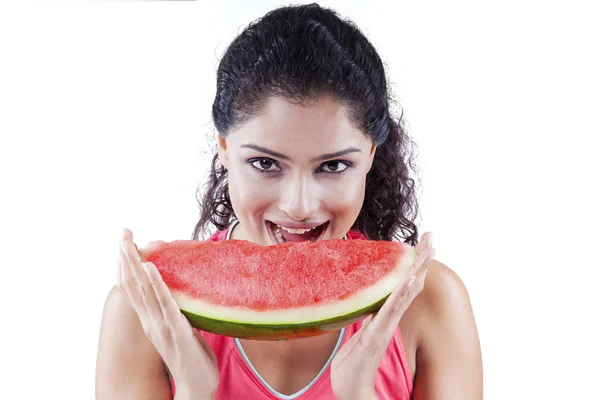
{"x": 449, "y": 364}
{"x": 128, "y": 366}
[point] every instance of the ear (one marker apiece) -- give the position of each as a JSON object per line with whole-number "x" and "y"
{"x": 372, "y": 155}
{"x": 222, "y": 150}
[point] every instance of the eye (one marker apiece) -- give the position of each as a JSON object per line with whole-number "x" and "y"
{"x": 335, "y": 167}
{"x": 264, "y": 164}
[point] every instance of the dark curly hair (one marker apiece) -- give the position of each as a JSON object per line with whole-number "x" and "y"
{"x": 302, "y": 53}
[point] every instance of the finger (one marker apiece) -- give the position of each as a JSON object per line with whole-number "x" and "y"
{"x": 121, "y": 264}
{"x": 118, "y": 280}
{"x": 168, "y": 306}
{"x": 388, "y": 317}
{"x": 138, "y": 284}
{"x": 421, "y": 255}
{"x": 121, "y": 273}
{"x": 127, "y": 234}
{"x": 425, "y": 240}
{"x": 367, "y": 321}
{"x": 129, "y": 284}
{"x": 125, "y": 273}
{"x": 412, "y": 273}
{"x": 418, "y": 280}
{"x": 421, "y": 264}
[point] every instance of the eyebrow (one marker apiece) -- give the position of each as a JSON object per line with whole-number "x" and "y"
{"x": 284, "y": 157}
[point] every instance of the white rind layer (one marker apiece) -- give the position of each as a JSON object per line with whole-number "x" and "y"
{"x": 313, "y": 313}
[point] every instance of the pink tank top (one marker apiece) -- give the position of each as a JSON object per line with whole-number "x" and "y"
{"x": 239, "y": 379}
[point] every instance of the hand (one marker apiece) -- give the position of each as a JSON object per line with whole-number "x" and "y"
{"x": 190, "y": 360}
{"x": 354, "y": 367}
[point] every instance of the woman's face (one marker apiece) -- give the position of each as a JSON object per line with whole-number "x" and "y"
{"x": 296, "y": 166}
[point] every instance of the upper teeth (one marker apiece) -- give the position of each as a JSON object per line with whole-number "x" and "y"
{"x": 295, "y": 231}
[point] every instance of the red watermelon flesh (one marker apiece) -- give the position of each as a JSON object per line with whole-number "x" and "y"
{"x": 292, "y": 287}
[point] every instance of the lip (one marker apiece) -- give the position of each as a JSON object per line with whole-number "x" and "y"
{"x": 274, "y": 240}
{"x": 298, "y": 225}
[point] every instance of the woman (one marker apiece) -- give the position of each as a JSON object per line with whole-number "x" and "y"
{"x": 306, "y": 140}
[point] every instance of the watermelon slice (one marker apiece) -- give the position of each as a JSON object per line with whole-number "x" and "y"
{"x": 241, "y": 289}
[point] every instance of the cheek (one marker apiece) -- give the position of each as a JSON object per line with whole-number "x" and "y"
{"x": 346, "y": 198}
{"x": 249, "y": 191}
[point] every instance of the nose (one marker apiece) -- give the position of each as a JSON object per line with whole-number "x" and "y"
{"x": 299, "y": 201}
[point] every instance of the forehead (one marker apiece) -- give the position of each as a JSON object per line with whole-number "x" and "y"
{"x": 301, "y": 130}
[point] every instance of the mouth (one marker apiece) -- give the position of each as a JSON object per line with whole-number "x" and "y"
{"x": 279, "y": 235}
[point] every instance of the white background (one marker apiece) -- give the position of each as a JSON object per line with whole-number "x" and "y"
{"x": 104, "y": 115}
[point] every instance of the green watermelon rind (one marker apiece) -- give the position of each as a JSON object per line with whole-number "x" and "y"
{"x": 274, "y": 330}
{"x": 244, "y": 330}
{"x": 245, "y": 324}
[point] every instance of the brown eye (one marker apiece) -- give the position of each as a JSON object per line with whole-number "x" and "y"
{"x": 334, "y": 167}
{"x": 264, "y": 165}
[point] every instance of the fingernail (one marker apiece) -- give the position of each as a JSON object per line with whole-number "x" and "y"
{"x": 124, "y": 249}
{"x": 431, "y": 239}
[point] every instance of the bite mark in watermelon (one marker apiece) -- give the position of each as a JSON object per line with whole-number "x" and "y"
{"x": 242, "y": 289}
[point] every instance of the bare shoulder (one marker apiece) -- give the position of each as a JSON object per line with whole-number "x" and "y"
{"x": 127, "y": 366}
{"x": 441, "y": 285}
{"x": 442, "y": 291}
{"x": 448, "y": 354}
